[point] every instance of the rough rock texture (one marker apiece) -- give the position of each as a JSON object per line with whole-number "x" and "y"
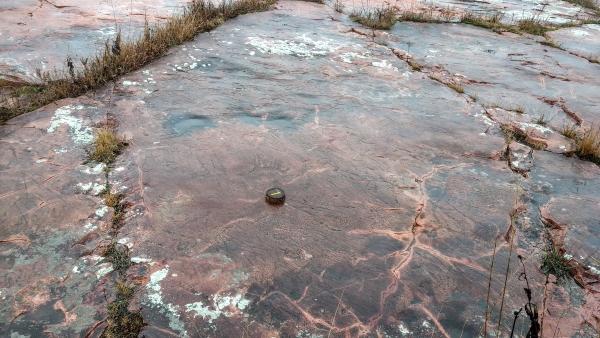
{"x": 397, "y": 187}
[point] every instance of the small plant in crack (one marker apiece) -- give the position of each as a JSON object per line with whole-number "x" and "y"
{"x": 118, "y": 255}
{"x": 541, "y": 119}
{"x": 519, "y": 110}
{"x": 457, "y": 87}
{"x": 569, "y": 130}
{"x": 121, "y": 322}
{"x": 556, "y": 262}
{"x": 106, "y": 147}
{"x": 414, "y": 65}
{"x": 435, "y": 78}
{"x": 473, "y": 97}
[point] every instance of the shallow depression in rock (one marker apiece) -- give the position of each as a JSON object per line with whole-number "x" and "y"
{"x": 183, "y": 124}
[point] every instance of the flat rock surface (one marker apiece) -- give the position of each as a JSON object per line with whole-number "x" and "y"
{"x": 397, "y": 189}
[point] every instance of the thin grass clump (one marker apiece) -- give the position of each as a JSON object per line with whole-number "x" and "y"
{"x": 556, "y": 262}
{"x": 570, "y": 131}
{"x": 122, "y": 57}
{"x": 106, "y": 147}
{"x": 533, "y": 25}
{"x": 541, "y": 119}
{"x": 379, "y": 18}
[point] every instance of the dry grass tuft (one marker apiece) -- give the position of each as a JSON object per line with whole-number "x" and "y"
{"x": 457, "y": 87}
{"x": 379, "y": 18}
{"x": 533, "y": 25}
{"x": 519, "y": 110}
{"x": 541, "y": 119}
{"x": 106, "y": 147}
{"x": 122, "y": 57}
{"x": 570, "y": 130}
{"x": 555, "y": 262}
{"x": 414, "y": 65}
{"x": 588, "y": 145}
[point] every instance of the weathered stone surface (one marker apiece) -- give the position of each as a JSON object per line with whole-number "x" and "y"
{"x": 396, "y": 187}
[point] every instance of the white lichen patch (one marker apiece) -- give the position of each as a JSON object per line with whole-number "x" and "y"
{"x": 94, "y": 187}
{"x": 80, "y": 134}
{"x": 301, "y": 46}
{"x": 101, "y": 211}
{"x": 307, "y": 334}
{"x": 130, "y": 83}
{"x": 60, "y": 150}
{"x": 403, "y": 330}
{"x": 41, "y": 161}
{"x": 535, "y": 126}
{"x": 125, "y": 241}
{"x": 105, "y": 269}
{"x": 349, "y": 57}
{"x": 94, "y": 170}
{"x": 140, "y": 260}
{"x": 90, "y": 226}
{"x": 384, "y": 64}
{"x": 219, "y": 306}
{"x": 155, "y": 299}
